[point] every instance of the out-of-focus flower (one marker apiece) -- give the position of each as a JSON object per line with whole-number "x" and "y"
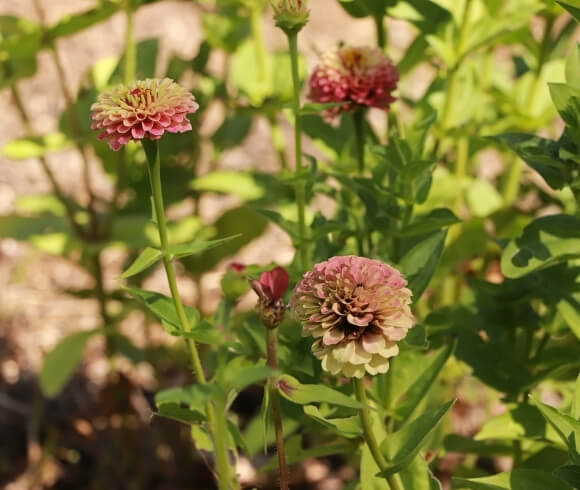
{"x": 234, "y": 282}
{"x": 356, "y": 76}
{"x": 290, "y": 15}
{"x": 357, "y": 309}
{"x": 270, "y": 288}
{"x": 142, "y": 109}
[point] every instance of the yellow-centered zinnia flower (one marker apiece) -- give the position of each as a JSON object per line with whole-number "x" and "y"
{"x": 142, "y": 109}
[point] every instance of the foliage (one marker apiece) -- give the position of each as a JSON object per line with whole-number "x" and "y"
{"x": 495, "y": 281}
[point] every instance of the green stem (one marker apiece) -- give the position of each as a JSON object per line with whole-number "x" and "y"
{"x": 154, "y": 168}
{"x": 369, "y": 435}
{"x": 217, "y": 425}
{"x": 358, "y": 119}
{"x": 278, "y": 142}
{"x": 221, "y": 448}
{"x": 300, "y": 186}
{"x": 450, "y": 94}
{"x": 511, "y": 184}
{"x": 272, "y": 353}
{"x": 130, "y": 68}
{"x": 381, "y": 32}
{"x": 258, "y": 34}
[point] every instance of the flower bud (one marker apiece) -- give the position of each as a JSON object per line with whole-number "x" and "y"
{"x": 290, "y": 15}
{"x": 270, "y": 288}
{"x": 234, "y": 282}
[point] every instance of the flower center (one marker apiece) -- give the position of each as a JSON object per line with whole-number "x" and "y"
{"x": 140, "y": 98}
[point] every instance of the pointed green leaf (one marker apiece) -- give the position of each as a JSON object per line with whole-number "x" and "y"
{"x": 519, "y": 479}
{"x": 180, "y": 414}
{"x": 61, "y": 363}
{"x": 348, "y": 427}
{"x": 304, "y": 394}
{"x": 368, "y": 472}
{"x": 146, "y": 259}
{"x": 567, "y": 427}
{"x": 420, "y": 263}
{"x": 518, "y": 422}
{"x": 162, "y": 307}
{"x": 574, "y": 10}
{"x": 569, "y": 473}
{"x": 242, "y": 378}
{"x": 573, "y": 67}
{"x": 420, "y": 388}
{"x": 197, "y": 247}
{"x": 436, "y": 220}
{"x": 418, "y": 476}
{"x": 402, "y": 446}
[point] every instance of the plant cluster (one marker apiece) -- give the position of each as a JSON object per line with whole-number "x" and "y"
{"x": 422, "y": 279}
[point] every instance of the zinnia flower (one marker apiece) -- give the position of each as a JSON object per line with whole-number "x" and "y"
{"x": 270, "y": 288}
{"x": 143, "y": 109}
{"x": 357, "y": 76}
{"x": 357, "y": 309}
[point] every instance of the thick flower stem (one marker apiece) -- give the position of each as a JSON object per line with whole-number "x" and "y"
{"x": 300, "y": 187}
{"x": 217, "y": 424}
{"x": 272, "y": 348}
{"x": 221, "y": 449}
{"x": 361, "y": 396}
{"x": 381, "y": 32}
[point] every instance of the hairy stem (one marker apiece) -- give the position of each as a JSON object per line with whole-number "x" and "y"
{"x": 358, "y": 119}
{"x": 154, "y": 168}
{"x": 300, "y": 187}
{"x": 272, "y": 348}
{"x": 369, "y": 435}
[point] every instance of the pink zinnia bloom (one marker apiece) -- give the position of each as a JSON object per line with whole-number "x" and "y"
{"x": 357, "y": 309}
{"x": 357, "y": 76}
{"x": 143, "y": 109}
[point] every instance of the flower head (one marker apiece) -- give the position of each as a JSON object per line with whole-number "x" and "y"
{"x": 357, "y": 309}
{"x": 142, "y": 109}
{"x": 356, "y": 76}
{"x": 270, "y": 288}
{"x": 290, "y": 15}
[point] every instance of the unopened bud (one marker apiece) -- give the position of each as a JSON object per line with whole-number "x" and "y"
{"x": 290, "y": 15}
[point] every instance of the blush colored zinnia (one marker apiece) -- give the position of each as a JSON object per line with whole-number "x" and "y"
{"x": 357, "y": 309}
{"x": 356, "y": 76}
{"x": 144, "y": 109}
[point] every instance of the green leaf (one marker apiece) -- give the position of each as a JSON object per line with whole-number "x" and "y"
{"x": 483, "y": 198}
{"x": 539, "y": 153}
{"x": 194, "y": 397}
{"x": 36, "y": 146}
{"x": 420, "y": 263}
{"x": 233, "y": 131}
{"x": 146, "y": 259}
{"x": 61, "y": 363}
{"x": 348, "y": 427}
{"x": 569, "y": 473}
{"x": 242, "y": 378}
{"x": 198, "y": 247}
{"x": 567, "y": 427}
{"x": 162, "y": 307}
{"x": 466, "y": 445}
{"x": 417, "y": 392}
{"x": 403, "y": 445}
{"x": 304, "y": 394}
{"x": 232, "y": 182}
{"x": 368, "y": 471}
{"x": 436, "y": 220}
{"x": 573, "y": 67}
{"x": 180, "y": 414}
{"x": 518, "y": 422}
{"x": 418, "y": 476}
{"x": 574, "y": 10}
{"x": 364, "y": 8}
{"x": 201, "y": 331}
{"x": 519, "y": 479}
{"x": 546, "y": 241}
